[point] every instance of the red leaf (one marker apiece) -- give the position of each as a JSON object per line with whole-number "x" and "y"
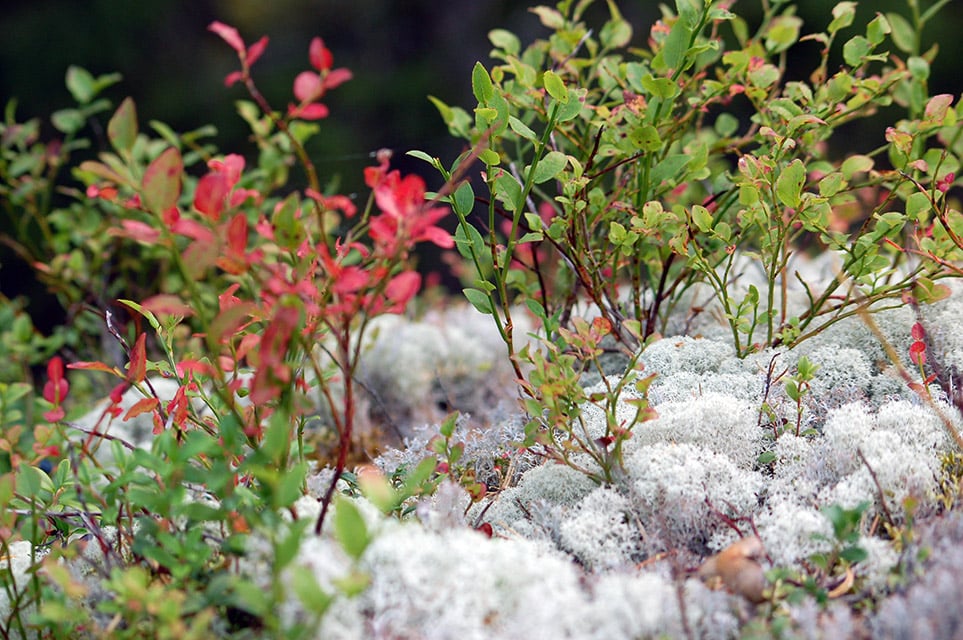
{"x": 232, "y": 77}
{"x": 337, "y": 77}
{"x": 313, "y": 111}
{"x": 143, "y": 405}
{"x": 54, "y": 392}
{"x": 138, "y": 231}
{"x": 237, "y": 234}
{"x": 308, "y": 86}
{"x": 917, "y": 331}
{"x": 55, "y": 369}
{"x": 195, "y": 367}
{"x": 162, "y": 181}
{"x": 92, "y": 366}
{"x": 210, "y": 194}
{"x": 138, "y": 360}
{"x": 194, "y": 230}
{"x": 403, "y": 288}
{"x": 319, "y": 55}
{"x": 166, "y": 303}
{"x": 228, "y": 34}
{"x": 229, "y": 321}
{"x": 918, "y": 353}
{"x": 54, "y": 415}
{"x": 331, "y": 203}
{"x": 256, "y": 50}
{"x": 117, "y": 393}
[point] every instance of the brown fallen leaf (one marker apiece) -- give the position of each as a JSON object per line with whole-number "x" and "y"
{"x": 737, "y": 569}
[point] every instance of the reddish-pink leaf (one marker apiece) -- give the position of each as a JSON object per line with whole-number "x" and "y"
{"x": 138, "y": 360}
{"x": 337, "y": 77}
{"x": 194, "y": 367}
{"x": 162, "y": 181}
{"x": 210, "y": 194}
{"x": 194, "y": 230}
{"x": 232, "y": 77}
{"x": 92, "y": 366}
{"x": 54, "y": 391}
{"x": 229, "y": 321}
{"x": 54, "y": 415}
{"x": 313, "y": 111}
{"x": 918, "y": 353}
{"x": 237, "y": 234}
{"x": 232, "y": 165}
{"x": 308, "y": 86}
{"x": 917, "y": 331}
{"x": 319, "y": 55}
{"x": 136, "y": 230}
{"x": 144, "y": 405}
{"x": 256, "y": 50}
{"x": 403, "y": 288}
{"x": 350, "y": 279}
{"x": 167, "y": 304}
{"x": 228, "y": 34}
{"x": 117, "y": 393}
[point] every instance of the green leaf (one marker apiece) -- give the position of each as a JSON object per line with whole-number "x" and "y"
{"x": 877, "y": 29}
{"x": 349, "y": 527}
{"x": 670, "y": 169}
{"x": 843, "y": 14}
{"x": 464, "y": 198}
{"x": 68, "y": 121}
{"x": 508, "y": 191}
{"x": 783, "y": 33}
{"x": 856, "y": 164}
{"x": 481, "y": 84}
{"x": 676, "y": 44}
{"x": 702, "y": 218}
{"x": 726, "y": 125}
{"x": 573, "y": 106}
{"x": 505, "y": 40}
{"x": 421, "y": 155}
{"x": 646, "y": 137}
{"x": 832, "y": 184}
{"x": 521, "y": 128}
{"x": 549, "y": 17}
{"x": 919, "y": 68}
{"x": 162, "y": 181}
{"x": 918, "y": 206}
{"x": 418, "y": 477}
{"x": 660, "y": 87}
{"x": 902, "y": 33}
{"x": 309, "y": 592}
{"x": 490, "y": 157}
{"x": 479, "y": 300}
{"x": 147, "y": 313}
{"x": 447, "y": 427}
{"x": 80, "y": 83}
{"x": 790, "y": 183}
{"x": 555, "y": 86}
{"x": 617, "y": 233}
{"x": 122, "y": 128}
{"x": 549, "y": 166}
{"x": 289, "y": 488}
{"x": 855, "y": 49}
{"x": 616, "y": 32}
{"x": 469, "y": 242}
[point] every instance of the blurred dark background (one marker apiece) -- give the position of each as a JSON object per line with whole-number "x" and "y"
{"x": 399, "y": 52}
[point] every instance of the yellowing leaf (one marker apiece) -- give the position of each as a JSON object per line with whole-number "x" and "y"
{"x": 162, "y": 181}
